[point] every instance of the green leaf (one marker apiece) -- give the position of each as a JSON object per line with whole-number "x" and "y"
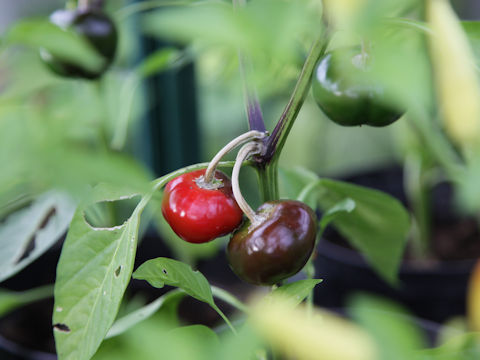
{"x": 30, "y": 231}
{"x": 158, "y": 61}
{"x": 10, "y": 300}
{"x": 128, "y": 321}
{"x": 163, "y": 271}
{"x": 202, "y": 341}
{"x": 94, "y": 269}
{"x": 394, "y": 330}
{"x": 462, "y": 347}
{"x": 247, "y": 344}
{"x": 472, "y": 29}
{"x": 344, "y": 206}
{"x": 297, "y": 291}
{"x": 378, "y": 226}
{"x": 154, "y": 339}
{"x": 65, "y": 44}
{"x": 292, "y": 181}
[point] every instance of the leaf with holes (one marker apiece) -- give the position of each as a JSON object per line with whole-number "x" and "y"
{"x": 92, "y": 274}
{"x": 163, "y": 271}
{"x": 29, "y": 232}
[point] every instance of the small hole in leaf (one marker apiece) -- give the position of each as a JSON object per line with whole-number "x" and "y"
{"x": 118, "y": 270}
{"x": 165, "y": 272}
{"x": 30, "y": 244}
{"x": 28, "y": 249}
{"x": 61, "y": 327}
{"x": 107, "y": 214}
{"x": 47, "y": 217}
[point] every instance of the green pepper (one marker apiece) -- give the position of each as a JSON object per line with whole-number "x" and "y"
{"x": 345, "y": 100}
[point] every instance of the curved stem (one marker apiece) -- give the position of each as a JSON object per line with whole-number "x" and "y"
{"x": 246, "y": 151}
{"x": 209, "y": 173}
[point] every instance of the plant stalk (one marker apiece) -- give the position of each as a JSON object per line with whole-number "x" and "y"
{"x": 287, "y": 119}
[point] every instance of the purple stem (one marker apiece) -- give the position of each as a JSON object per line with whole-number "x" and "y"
{"x": 255, "y": 117}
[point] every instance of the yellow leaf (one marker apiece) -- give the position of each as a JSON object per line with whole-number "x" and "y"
{"x": 456, "y": 80}
{"x": 322, "y": 336}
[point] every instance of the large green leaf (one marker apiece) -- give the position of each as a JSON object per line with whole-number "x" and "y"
{"x": 94, "y": 269}
{"x": 378, "y": 226}
{"x": 30, "y": 231}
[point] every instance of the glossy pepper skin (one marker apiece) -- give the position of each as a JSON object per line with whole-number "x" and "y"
{"x": 196, "y": 214}
{"x": 344, "y": 102}
{"x": 96, "y": 28}
{"x": 278, "y": 247}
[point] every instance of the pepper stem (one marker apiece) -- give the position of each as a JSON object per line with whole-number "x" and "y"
{"x": 250, "y": 135}
{"x": 254, "y": 147}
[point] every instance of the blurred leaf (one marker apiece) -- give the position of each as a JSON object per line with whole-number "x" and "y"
{"x": 51, "y": 158}
{"x": 163, "y": 271}
{"x": 154, "y": 339}
{"x": 472, "y": 30}
{"x": 267, "y": 30}
{"x": 92, "y": 274}
{"x": 378, "y": 226}
{"x": 157, "y": 62}
{"x": 463, "y": 347}
{"x": 28, "y": 233}
{"x": 322, "y": 336}
{"x": 128, "y": 321}
{"x": 456, "y": 80}
{"x": 394, "y": 330}
{"x": 200, "y": 340}
{"x": 243, "y": 346}
{"x": 10, "y": 300}
{"x": 344, "y": 206}
{"x": 295, "y": 292}
{"x": 293, "y": 180}
{"x": 64, "y": 44}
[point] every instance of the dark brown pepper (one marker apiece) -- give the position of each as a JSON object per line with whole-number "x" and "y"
{"x": 278, "y": 247}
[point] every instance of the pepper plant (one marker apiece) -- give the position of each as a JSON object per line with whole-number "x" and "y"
{"x": 271, "y": 244}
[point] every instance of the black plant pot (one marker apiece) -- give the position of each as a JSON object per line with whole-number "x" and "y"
{"x": 436, "y": 292}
